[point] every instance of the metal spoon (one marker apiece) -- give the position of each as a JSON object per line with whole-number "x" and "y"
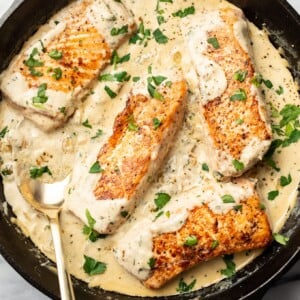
{"x": 48, "y": 199}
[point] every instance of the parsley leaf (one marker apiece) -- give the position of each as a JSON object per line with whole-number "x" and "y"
{"x": 280, "y": 90}
{"x": 117, "y": 31}
{"x": 41, "y": 94}
{"x": 183, "y": 287}
{"x": 110, "y": 92}
{"x": 32, "y": 61}
{"x": 3, "y": 132}
{"x": 240, "y": 75}
{"x": 238, "y": 165}
{"x": 89, "y": 230}
{"x": 36, "y": 172}
{"x": 142, "y": 36}
{"x": 96, "y": 168}
{"x": 205, "y": 167}
{"x": 284, "y": 181}
{"x": 227, "y": 199}
{"x": 230, "y": 266}
{"x": 281, "y": 239}
{"x": 289, "y": 113}
{"x": 239, "y": 95}
{"x": 93, "y": 267}
{"x": 161, "y": 200}
{"x": 57, "y": 73}
{"x": 116, "y": 59}
{"x": 190, "y": 241}
{"x": 132, "y": 126}
{"x": 55, "y": 54}
{"x": 272, "y": 195}
{"x": 98, "y": 133}
{"x": 119, "y": 77}
{"x": 151, "y": 262}
{"x": 214, "y": 42}
{"x": 159, "y": 37}
{"x": 184, "y": 12}
{"x": 156, "y": 123}
{"x": 87, "y": 124}
{"x": 215, "y": 244}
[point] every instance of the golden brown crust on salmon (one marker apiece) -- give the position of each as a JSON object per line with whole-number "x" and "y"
{"x": 222, "y": 114}
{"x": 137, "y": 143}
{"x": 235, "y": 231}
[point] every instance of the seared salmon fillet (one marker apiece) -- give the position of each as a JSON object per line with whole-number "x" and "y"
{"x": 205, "y": 234}
{"x": 142, "y": 135}
{"x": 52, "y": 74}
{"x": 234, "y": 115}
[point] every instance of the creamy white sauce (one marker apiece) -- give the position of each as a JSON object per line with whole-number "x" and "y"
{"x": 181, "y": 176}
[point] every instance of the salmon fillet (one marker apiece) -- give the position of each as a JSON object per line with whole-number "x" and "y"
{"x": 143, "y": 134}
{"x": 49, "y": 77}
{"x": 232, "y": 231}
{"x": 234, "y": 115}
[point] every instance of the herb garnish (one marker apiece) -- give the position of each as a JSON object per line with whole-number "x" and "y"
{"x": 230, "y": 266}
{"x": 93, "y": 267}
{"x": 55, "y": 54}
{"x": 227, "y": 199}
{"x": 280, "y": 90}
{"x": 117, "y": 31}
{"x": 205, "y": 167}
{"x": 285, "y": 180}
{"x": 161, "y": 200}
{"x": 239, "y": 95}
{"x": 281, "y": 239}
{"x": 191, "y": 240}
{"x": 238, "y": 165}
{"x": 214, "y": 42}
{"x": 183, "y": 287}
{"x": 87, "y": 124}
{"x": 36, "y": 172}
{"x": 240, "y": 75}
{"x": 110, "y": 92}
{"x": 98, "y": 133}
{"x": 214, "y": 244}
{"x": 88, "y": 230}
{"x": 32, "y": 61}
{"x": 41, "y": 94}
{"x": 159, "y": 37}
{"x": 119, "y": 77}
{"x": 156, "y": 123}
{"x": 96, "y": 168}
{"x": 57, "y": 73}
{"x": 142, "y": 36}
{"x": 151, "y": 262}
{"x": 273, "y": 194}
{"x": 184, "y": 12}
{"x": 157, "y": 80}
{"x": 132, "y": 126}
{"x": 3, "y": 132}
{"x": 116, "y": 59}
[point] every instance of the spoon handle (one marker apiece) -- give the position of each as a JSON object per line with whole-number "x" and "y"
{"x": 64, "y": 279}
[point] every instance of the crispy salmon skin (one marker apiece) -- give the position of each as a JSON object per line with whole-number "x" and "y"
{"x": 232, "y": 107}
{"x": 143, "y": 134}
{"x": 53, "y": 73}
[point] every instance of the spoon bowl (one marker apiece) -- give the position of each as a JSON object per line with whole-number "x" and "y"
{"x": 48, "y": 198}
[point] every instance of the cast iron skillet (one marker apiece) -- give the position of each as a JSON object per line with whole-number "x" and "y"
{"x": 252, "y": 281}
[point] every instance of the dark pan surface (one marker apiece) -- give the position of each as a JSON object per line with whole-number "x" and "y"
{"x": 252, "y": 281}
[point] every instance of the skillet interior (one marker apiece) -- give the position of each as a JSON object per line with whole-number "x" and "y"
{"x": 284, "y": 25}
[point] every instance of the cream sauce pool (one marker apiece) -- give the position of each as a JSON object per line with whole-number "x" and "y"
{"x": 25, "y": 146}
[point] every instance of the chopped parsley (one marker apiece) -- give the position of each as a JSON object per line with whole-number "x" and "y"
{"x": 240, "y": 75}
{"x": 93, "y": 267}
{"x": 158, "y": 215}
{"x": 117, "y": 31}
{"x": 159, "y": 37}
{"x": 55, "y": 54}
{"x": 262, "y": 206}
{"x": 156, "y": 123}
{"x": 160, "y": 19}
{"x": 96, "y": 168}
{"x": 35, "y": 72}
{"x": 205, "y": 167}
{"x": 227, "y": 199}
{"x": 214, "y": 42}
{"x": 239, "y": 121}
{"x": 32, "y": 61}
{"x": 3, "y": 132}
{"x": 87, "y": 124}
{"x": 238, "y": 207}
{"x": 142, "y": 36}
{"x": 281, "y": 239}
{"x": 161, "y": 200}
{"x": 280, "y": 90}
{"x": 267, "y": 83}
{"x": 36, "y": 172}
{"x": 239, "y": 95}
{"x": 230, "y": 266}
{"x": 116, "y": 59}
{"x": 284, "y": 181}
{"x": 119, "y": 77}
{"x": 98, "y": 133}
{"x": 41, "y": 94}
{"x": 257, "y": 80}
{"x": 215, "y": 244}
{"x": 136, "y": 78}
{"x": 132, "y": 126}
{"x": 190, "y": 241}
{"x": 42, "y": 46}
{"x": 110, "y": 92}
{"x": 153, "y": 83}
{"x": 184, "y": 12}
{"x": 151, "y": 262}
{"x": 88, "y": 230}
{"x": 184, "y": 287}
{"x": 238, "y": 165}
{"x": 273, "y": 194}
{"x": 57, "y": 73}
